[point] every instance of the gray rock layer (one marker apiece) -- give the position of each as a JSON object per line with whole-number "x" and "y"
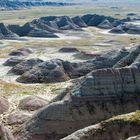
{"x": 109, "y": 82}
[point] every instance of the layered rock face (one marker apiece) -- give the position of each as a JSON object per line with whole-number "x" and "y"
{"x": 120, "y": 127}
{"x": 112, "y": 82}
{"x": 72, "y": 116}
{"x": 99, "y": 95}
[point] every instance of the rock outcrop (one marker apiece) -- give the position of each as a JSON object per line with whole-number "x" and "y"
{"x": 97, "y": 96}
{"x": 46, "y": 72}
{"x": 123, "y": 80}
{"x": 4, "y": 105}
{"x": 41, "y": 33}
{"x": 5, "y": 133}
{"x": 66, "y": 23}
{"x": 129, "y": 59}
{"x": 21, "y": 52}
{"x": 59, "y": 71}
{"x": 32, "y": 103}
{"x": 68, "y": 50}
{"x": 116, "y": 128}
{"x": 105, "y": 25}
{"x": 17, "y": 118}
{"x": 106, "y": 60}
{"x": 117, "y": 30}
{"x": 24, "y": 66}
{"x": 48, "y": 26}
{"x": 39, "y": 23}
{"x": 131, "y": 29}
{"x": 95, "y": 20}
{"x": 22, "y": 30}
{"x": 74, "y": 114}
{"x": 89, "y": 54}
{"x": 13, "y": 61}
{"x": 5, "y": 33}
{"x": 38, "y": 71}
{"x": 78, "y": 21}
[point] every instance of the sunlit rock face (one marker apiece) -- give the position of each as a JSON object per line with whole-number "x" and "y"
{"x": 109, "y": 82}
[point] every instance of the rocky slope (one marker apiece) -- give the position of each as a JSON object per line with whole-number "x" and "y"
{"x": 120, "y": 127}
{"x": 97, "y": 96}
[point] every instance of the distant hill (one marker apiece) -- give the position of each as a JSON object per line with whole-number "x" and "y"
{"x": 20, "y": 4}
{"x": 58, "y": 1}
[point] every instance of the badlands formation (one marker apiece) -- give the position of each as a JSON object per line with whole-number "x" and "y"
{"x": 107, "y": 86}
{"x": 48, "y": 27}
{"x": 103, "y": 87}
